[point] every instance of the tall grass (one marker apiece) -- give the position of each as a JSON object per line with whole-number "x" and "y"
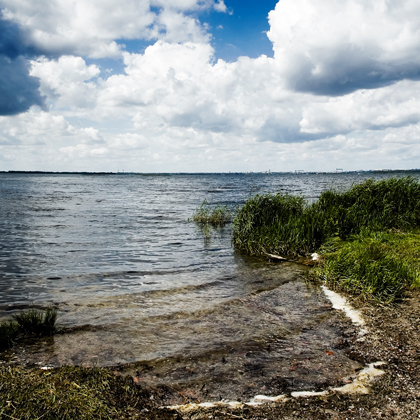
{"x": 8, "y": 332}
{"x": 288, "y": 225}
{"x": 358, "y": 233}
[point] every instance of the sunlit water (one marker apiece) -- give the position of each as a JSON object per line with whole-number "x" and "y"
{"x": 119, "y": 255}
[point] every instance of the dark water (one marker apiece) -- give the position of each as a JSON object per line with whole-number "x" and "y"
{"x": 119, "y": 254}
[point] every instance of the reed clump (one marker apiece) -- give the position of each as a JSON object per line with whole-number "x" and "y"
{"x": 288, "y": 225}
{"x": 367, "y": 235}
{"x": 215, "y": 216}
{"x": 31, "y": 322}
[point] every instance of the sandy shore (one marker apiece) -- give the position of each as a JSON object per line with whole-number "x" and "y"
{"x": 393, "y": 337}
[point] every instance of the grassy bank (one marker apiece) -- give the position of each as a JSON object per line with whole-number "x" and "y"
{"x": 69, "y": 393}
{"x": 359, "y": 233}
{"x": 379, "y": 266}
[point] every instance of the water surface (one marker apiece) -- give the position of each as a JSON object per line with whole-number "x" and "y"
{"x": 117, "y": 254}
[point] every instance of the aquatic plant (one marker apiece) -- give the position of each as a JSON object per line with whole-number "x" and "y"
{"x": 31, "y": 322}
{"x": 216, "y": 216}
{"x": 8, "y": 332}
{"x": 37, "y": 322}
{"x": 381, "y": 265}
{"x": 288, "y": 225}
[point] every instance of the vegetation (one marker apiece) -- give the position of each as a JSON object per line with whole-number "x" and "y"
{"x": 31, "y": 322}
{"x": 68, "y": 393}
{"x": 216, "y": 216}
{"x": 287, "y": 225}
{"x": 208, "y": 217}
{"x": 351, "y": 229}
{"x": 381, "y": 266}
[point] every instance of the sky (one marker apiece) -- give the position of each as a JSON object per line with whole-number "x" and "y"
{"x": 209, "y": 85}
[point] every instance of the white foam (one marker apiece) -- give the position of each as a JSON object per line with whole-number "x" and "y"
{"x": 341, "y": 303}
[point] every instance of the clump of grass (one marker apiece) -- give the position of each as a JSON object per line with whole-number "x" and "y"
{"x": 381, "y": 265}
{"x": 268, "y": 223}
{"x": 288, "y": 225}
{"x": 37, "y": 322}
{"x": 69, "y": 393}
{"x": 352, "y": 231}
{"x": 31, "y": 322}
{"x": 216, "y": 216}
{"x": 8, "y": 333}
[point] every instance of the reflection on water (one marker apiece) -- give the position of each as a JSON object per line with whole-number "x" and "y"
{"x": 117, "y": 253}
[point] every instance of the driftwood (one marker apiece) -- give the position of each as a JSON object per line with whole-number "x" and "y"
{"x": 276, "y": 257}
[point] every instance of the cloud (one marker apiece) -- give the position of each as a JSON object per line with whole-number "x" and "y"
{"x": 220, "y": 6}
{"x": 334, "y": 47}
{"x": 180, "y": 86}
{"x": 18, "y": 90}
{"x": 66, "y": 81}
{"x": 90, "y": 28}
{"x": 336, "y": 94}
{"x": 377, "y": 109}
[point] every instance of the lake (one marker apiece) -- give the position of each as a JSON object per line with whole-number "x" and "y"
{"x": 124, "y": 265}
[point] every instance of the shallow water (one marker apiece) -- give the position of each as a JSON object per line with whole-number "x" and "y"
{"x": 118, "y": 253}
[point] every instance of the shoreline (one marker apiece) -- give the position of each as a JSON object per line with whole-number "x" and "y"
{"x": 393, "y": 338}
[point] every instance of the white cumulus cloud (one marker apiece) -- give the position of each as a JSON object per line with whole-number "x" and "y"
{"x": 334, "y": 47}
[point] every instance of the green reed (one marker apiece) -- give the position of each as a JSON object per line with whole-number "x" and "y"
{"x": 288, "y": 225}
{"x": 216, "y": 216}
{"x": 381, "y": 266}
{"x": 358, "y": 233}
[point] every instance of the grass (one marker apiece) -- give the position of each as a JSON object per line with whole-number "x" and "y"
{"x": 288, "y": 225}
{"x": 27, "y": 323}
{"x": 68, "y": 393}
{"x": 356, "y": 231}
{"x": 378, "y": 266}
{"x": 209, "y": 217}
{"x": 216, "y": 216}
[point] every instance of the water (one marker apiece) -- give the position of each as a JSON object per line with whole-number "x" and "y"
{"x": 119, "y": 258}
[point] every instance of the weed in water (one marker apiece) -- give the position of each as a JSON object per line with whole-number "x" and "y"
{"x": 8, "y": 332}
{"x": 31, "y": 322}
{"x": 216, "y": 216}
{"x": 37, "y": 322}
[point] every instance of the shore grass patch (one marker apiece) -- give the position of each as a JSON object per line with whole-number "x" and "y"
{"x": 368, "y": 235}
{"x": 379, "y": 266}
{"x": 288, "y": 225}
{"x": 67, "y": 393}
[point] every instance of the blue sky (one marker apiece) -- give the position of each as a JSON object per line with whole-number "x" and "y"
{"x": 209, "y": 85}
{"x": 239, "y": 32}
{"x": 243, "y": 29}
